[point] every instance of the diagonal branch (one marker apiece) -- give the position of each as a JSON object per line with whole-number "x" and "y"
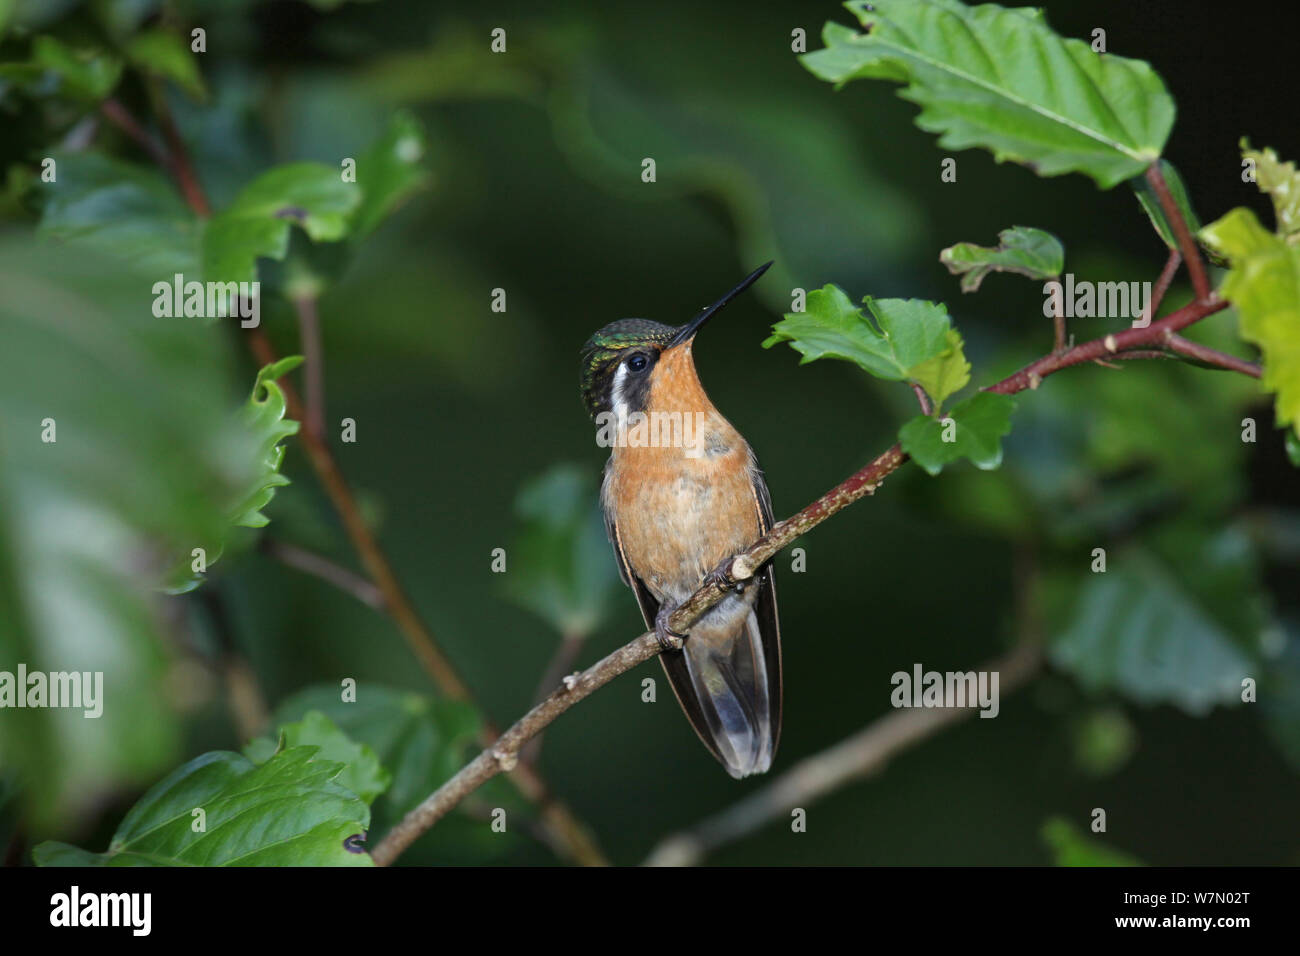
{"x": 504, "y": 754}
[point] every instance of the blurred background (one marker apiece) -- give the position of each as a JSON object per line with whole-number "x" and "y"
{"x": 470, "y": 435}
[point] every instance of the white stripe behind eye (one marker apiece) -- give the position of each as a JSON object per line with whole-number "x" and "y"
{"x": 616, "y": 399}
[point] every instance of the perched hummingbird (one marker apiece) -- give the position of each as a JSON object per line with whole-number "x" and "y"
{"x": 675, "y": 511}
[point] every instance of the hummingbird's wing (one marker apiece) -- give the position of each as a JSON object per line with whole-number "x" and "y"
{"x": 769, "y": 626}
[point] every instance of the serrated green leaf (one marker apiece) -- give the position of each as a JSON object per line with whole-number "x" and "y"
{"x": 1001, "y": 79}
{"x": 946, "y": 373}
{"x": 389, "y": 172}
{"x": 1150, "y": 203}
{"x": 1281, "y": 182}
{"x": 975, "y": 427}
{"x": 362, "y": 772}
{"x": 560, "y": 565}
{"x": 422, "y": 741}
{"x": 257, "y": 224}
{"x": 1264, "y": 287}
{"x": 263, "y": 414}
{"x": 84, "y": 74}
{"x": 289, "y": 811}
{"x": 906, "y": 334}
{"x": 1178, "y": 622}
{"x": 1021, "y": 249}
{"x": 1071, "y": 847}
{"x": 164, "y": 54}
{"x": 262, "y": 421}
{"x": 122, "y": 209}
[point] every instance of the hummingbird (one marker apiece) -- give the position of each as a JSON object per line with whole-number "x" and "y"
{"x": 676, "y": 512}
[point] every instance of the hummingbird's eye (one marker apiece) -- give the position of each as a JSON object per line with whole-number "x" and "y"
{"x": 637, "y": 363}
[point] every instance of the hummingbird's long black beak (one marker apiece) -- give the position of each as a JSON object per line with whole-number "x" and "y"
{"x": 687, "y": 331}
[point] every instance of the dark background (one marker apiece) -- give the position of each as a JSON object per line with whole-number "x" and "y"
{"x": 458, "y": 407}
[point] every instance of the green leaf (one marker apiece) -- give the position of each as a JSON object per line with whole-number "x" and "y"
{"x": 560, "y": 565}
{"x": 362, "y": 773}
{"x": 1001, "y": 79}
{"x": 1281, "y": 182}
{"x": 262, "y": 420}
{"x": 1293, "y": 448}
{"x": 257, "y": 223}
{"x": 1178, "y": 621}
{"x": 1071, "y": 847}
{"x": 86, "y": 74}
{"x": 263, "y": 414}
{"x": 422, "y": 741}
{"x": 389, "y": 172}
{"x": 946, "y": 373}
{"x": 1264, "y": 287}
{"x": 906, "y": 335}
{"x": 289, "y": 811}
{"x": 1022, "y": 249}
{"x": 166, "y": 55}
{"x": 974, "y": 428}
{"x": 1156, "y": 213}
{"x": 122, "y": 209}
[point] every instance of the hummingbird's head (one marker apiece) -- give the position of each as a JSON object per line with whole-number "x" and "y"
{"x": 619, "y": 360}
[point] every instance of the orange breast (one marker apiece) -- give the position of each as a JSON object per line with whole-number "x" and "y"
{"x": 682, "y": 506}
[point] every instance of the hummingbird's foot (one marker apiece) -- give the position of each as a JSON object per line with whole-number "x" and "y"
{"x": 720, "y": 578}
{"x": 669, "y": 640}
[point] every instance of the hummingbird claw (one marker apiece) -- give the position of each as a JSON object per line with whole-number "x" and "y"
{"x": 720, "y": 578}
{"x": 669, "y": 640}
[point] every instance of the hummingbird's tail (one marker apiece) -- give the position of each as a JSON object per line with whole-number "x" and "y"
{"x": 729, "y": 684}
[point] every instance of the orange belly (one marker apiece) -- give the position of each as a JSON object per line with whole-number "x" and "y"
{"x": 678, "y": 517}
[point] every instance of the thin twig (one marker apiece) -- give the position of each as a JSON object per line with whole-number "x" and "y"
{"x": 504, "y": 753}
{"x": 121, "y": 117}
{"x": 1058, "y": 325}
{"x": 310, "y": 563}
{"x": 1191, "y": 255}
{"x": 314, "y": 365}
{"x": 1205, "y": 355}
{"x": 182, "y": 168}
{"x": 861, "y": 755}
{"x": 1163, "y": 282}
{"x": 922, "y": 399}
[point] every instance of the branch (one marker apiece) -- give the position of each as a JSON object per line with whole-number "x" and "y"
{"x": 865, "y": 753}
{"x": 504, "y": 753}
{"x": 308, "y": 562}
{"x": 314, "y": 355}
{"x": 1163, "y": 282}
{"x": 1191, "y": 255}
{"x": 1204, "y": 355}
